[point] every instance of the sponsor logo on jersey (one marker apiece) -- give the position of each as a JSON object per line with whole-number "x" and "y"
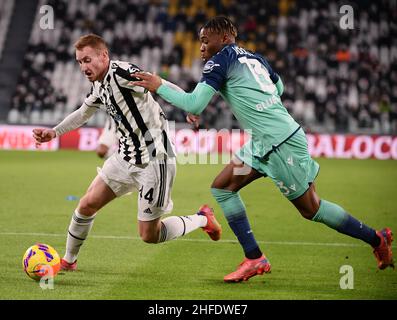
{"x": 209, "y": 66}
{"x": 111, "y": 109}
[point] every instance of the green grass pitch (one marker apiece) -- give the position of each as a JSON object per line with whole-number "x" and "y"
{"x": 114, "y": 263}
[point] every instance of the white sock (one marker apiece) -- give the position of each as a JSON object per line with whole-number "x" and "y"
{"x": 79, "y": 228}
{"x": 177, "y": 226}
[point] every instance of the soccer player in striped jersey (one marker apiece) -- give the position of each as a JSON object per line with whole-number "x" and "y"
{"x": 145, "y": 161}
{"x": 277, "y": 149}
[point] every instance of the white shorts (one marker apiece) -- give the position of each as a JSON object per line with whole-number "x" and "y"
{"x": 153, "y": 181}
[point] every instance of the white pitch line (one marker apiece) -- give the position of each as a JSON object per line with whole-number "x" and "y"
{"x": 284, "y": 243}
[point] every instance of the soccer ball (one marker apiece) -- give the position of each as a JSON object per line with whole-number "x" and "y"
{"x": 41, "y": 260}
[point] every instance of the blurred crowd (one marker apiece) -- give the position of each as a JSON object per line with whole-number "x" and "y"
{"x": 336, "y": 80}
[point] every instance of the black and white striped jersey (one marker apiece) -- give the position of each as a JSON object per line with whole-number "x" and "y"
{"x": 141, "y": 124}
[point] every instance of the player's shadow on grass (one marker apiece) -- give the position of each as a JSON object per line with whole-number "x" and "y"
{"x": 252, "y": 282}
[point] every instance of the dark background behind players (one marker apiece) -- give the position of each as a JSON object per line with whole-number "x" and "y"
{"x": 335, "y": 80}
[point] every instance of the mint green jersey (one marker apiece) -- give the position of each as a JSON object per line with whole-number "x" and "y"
{"x": 247, "y": 82}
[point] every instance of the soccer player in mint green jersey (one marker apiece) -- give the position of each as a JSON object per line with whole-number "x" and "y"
{"x": 277, "y": 149}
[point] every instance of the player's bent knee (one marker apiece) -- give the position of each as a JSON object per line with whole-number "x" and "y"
{"x": 87, "y": 207}
{"x": 216, "y": 185}
{"x": 308, "y": 204}
{"x": 149, "y": 231}
{"x": 307, "y": 214}
{"x": 224, "y": 186}
{"x": 149, "y": 238}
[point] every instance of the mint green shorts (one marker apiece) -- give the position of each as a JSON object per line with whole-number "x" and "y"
{"x": 289, "y": 165}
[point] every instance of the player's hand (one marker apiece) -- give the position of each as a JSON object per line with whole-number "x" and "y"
{"x": 41, "y": 135}
{"x": 193, "y": 119}
{"x": 146, "y": 80}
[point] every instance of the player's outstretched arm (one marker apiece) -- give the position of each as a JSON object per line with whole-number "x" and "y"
{"x": 194, "y": 102}
{"x": 73, "y": 121}
{"x": 190, "y": 118}
{"x": 147, "y": 80}
{"x": 152, "y": 83}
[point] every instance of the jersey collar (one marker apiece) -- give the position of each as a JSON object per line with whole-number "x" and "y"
{"x": 107, "y": 77}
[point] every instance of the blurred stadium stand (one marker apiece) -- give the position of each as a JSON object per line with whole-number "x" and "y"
{"x": 6, "y": 8}
{"x": 16, "y": 18}
{"x": 335, "y": 80}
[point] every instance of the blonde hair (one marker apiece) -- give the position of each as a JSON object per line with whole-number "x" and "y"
{"x": 91, "y": 40}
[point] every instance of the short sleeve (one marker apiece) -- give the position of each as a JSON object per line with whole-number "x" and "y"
{"x": 215, "y": 71}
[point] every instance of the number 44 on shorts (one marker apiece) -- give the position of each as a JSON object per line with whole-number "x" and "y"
{"x": 148, "y": 195}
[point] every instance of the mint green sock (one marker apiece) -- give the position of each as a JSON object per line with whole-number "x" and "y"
{"x": 330, "y": 214}
{"x": 229, "y": 201}
{"x": 234, "y": 211}
{"x": 337, "y": 218}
